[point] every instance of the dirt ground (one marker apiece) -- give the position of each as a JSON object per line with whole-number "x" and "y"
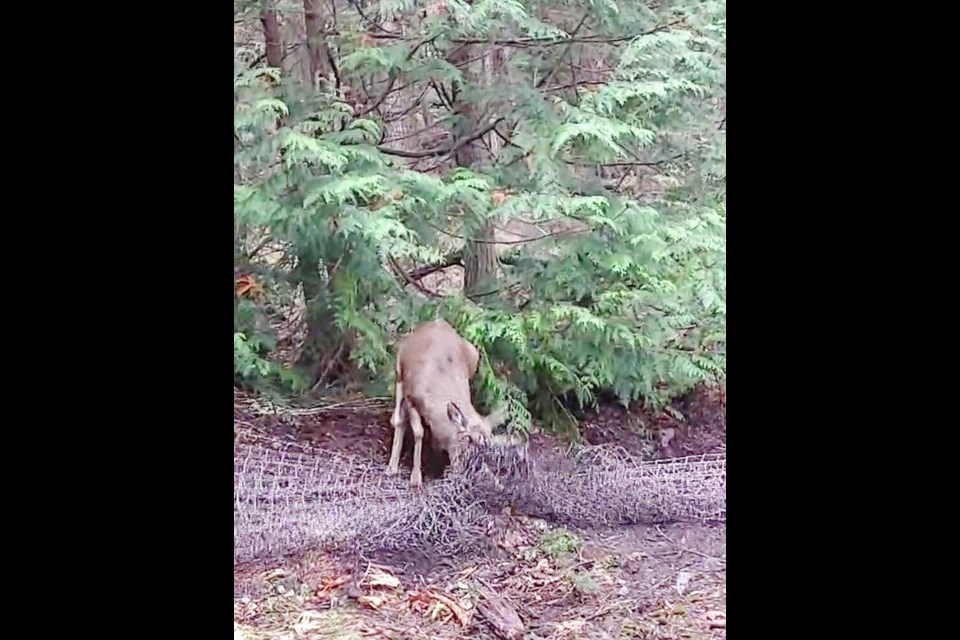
{"x": 537, "y": 581}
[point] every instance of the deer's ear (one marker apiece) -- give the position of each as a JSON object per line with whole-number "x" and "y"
{"x": 456, "y": 416}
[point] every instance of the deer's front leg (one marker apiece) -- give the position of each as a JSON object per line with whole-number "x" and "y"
{"x": 416, "y": 476}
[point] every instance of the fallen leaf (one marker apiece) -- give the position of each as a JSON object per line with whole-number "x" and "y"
{"x": 246, "y": 285}
{"x": 372, "y": 602}
{"x": 717, "y": 619}
{"x": 333, "y": 584}
{"x": 462, "y": 614}
{"x": 433, "y": 610}
{"x": 379, "y": 578}
{"x": 571, "y": 626}
{"x": 310, "y": 621}
{"x": 438, "y": 610}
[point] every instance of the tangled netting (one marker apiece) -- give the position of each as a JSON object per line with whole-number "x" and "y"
{"x": 289, "y": 497}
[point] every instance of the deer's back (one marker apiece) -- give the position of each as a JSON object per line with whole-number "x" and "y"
{"x": 435, "y": 360}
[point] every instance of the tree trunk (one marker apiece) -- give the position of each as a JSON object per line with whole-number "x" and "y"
{"x": 480, "y": 261}
{"x": 480, "y": 265}
{"x": 271, "y": 34}
{"x": 313, "y": 20}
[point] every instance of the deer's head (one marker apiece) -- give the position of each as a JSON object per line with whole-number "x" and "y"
{"x": 475, "y": 428}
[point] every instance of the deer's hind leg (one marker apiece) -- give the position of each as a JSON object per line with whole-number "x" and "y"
{"x": 399, "y": 422}
{"x": 397, "y": 403}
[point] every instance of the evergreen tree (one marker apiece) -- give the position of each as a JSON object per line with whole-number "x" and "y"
{"x": 567, "y": 157}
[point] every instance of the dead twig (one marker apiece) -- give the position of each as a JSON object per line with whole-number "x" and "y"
{"x": 682, "y": 548}
{"x": 331, "y": 361}
{"x": 604, "y": 610}
{"x": 359, "y": 402}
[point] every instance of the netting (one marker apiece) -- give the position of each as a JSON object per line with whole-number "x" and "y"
{"x": 290, "y": 497}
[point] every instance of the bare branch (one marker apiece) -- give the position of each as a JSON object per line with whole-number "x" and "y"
{"x": 451, "y": 260}
{"x": 419, "y": 131}
{"x": 551, "y": 42}
{"x": 409, "y": 280}
{"x": 566, "y": 232}
{"x": 637, "y": 163}
{"x": 547, "y": 78}
{"x": 446, "y": 151}
{"x": 576, "y": 83}
{"x": 394, "y": 76}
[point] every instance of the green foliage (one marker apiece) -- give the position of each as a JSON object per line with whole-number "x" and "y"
{"x": 559, "y": 542}
{"x": 252, "y": 370}
{"x": 627, "y": 295}
{"x": 583, "y": 583}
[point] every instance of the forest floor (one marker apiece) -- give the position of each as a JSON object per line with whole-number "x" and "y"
{"x": 543, "y": 582}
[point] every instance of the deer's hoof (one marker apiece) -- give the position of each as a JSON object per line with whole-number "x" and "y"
{"x": 416, "y": 479}
{"x": 391, "y": 470}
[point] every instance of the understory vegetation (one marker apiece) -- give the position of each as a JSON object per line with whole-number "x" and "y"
{"x": 549, "y": 176}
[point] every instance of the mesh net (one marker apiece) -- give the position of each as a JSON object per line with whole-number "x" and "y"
{"x": 290, "y": 497}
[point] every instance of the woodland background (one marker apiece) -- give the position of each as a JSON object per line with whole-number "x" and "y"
{"x": 549, "y": 176}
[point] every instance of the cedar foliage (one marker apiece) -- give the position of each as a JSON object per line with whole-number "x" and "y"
{"x": 601, "y": 122}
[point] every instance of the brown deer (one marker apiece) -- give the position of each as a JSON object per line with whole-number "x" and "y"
{"x": 434, "y": 368}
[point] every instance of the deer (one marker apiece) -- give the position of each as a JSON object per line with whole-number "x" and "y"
{"x": 433, "y": 371}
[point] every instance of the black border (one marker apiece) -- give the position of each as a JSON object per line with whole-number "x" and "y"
{"x": 138, "y": 287}
{"x": 815, "y": 334}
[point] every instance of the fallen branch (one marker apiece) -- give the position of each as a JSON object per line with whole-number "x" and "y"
{"x": 500, "y": 614}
